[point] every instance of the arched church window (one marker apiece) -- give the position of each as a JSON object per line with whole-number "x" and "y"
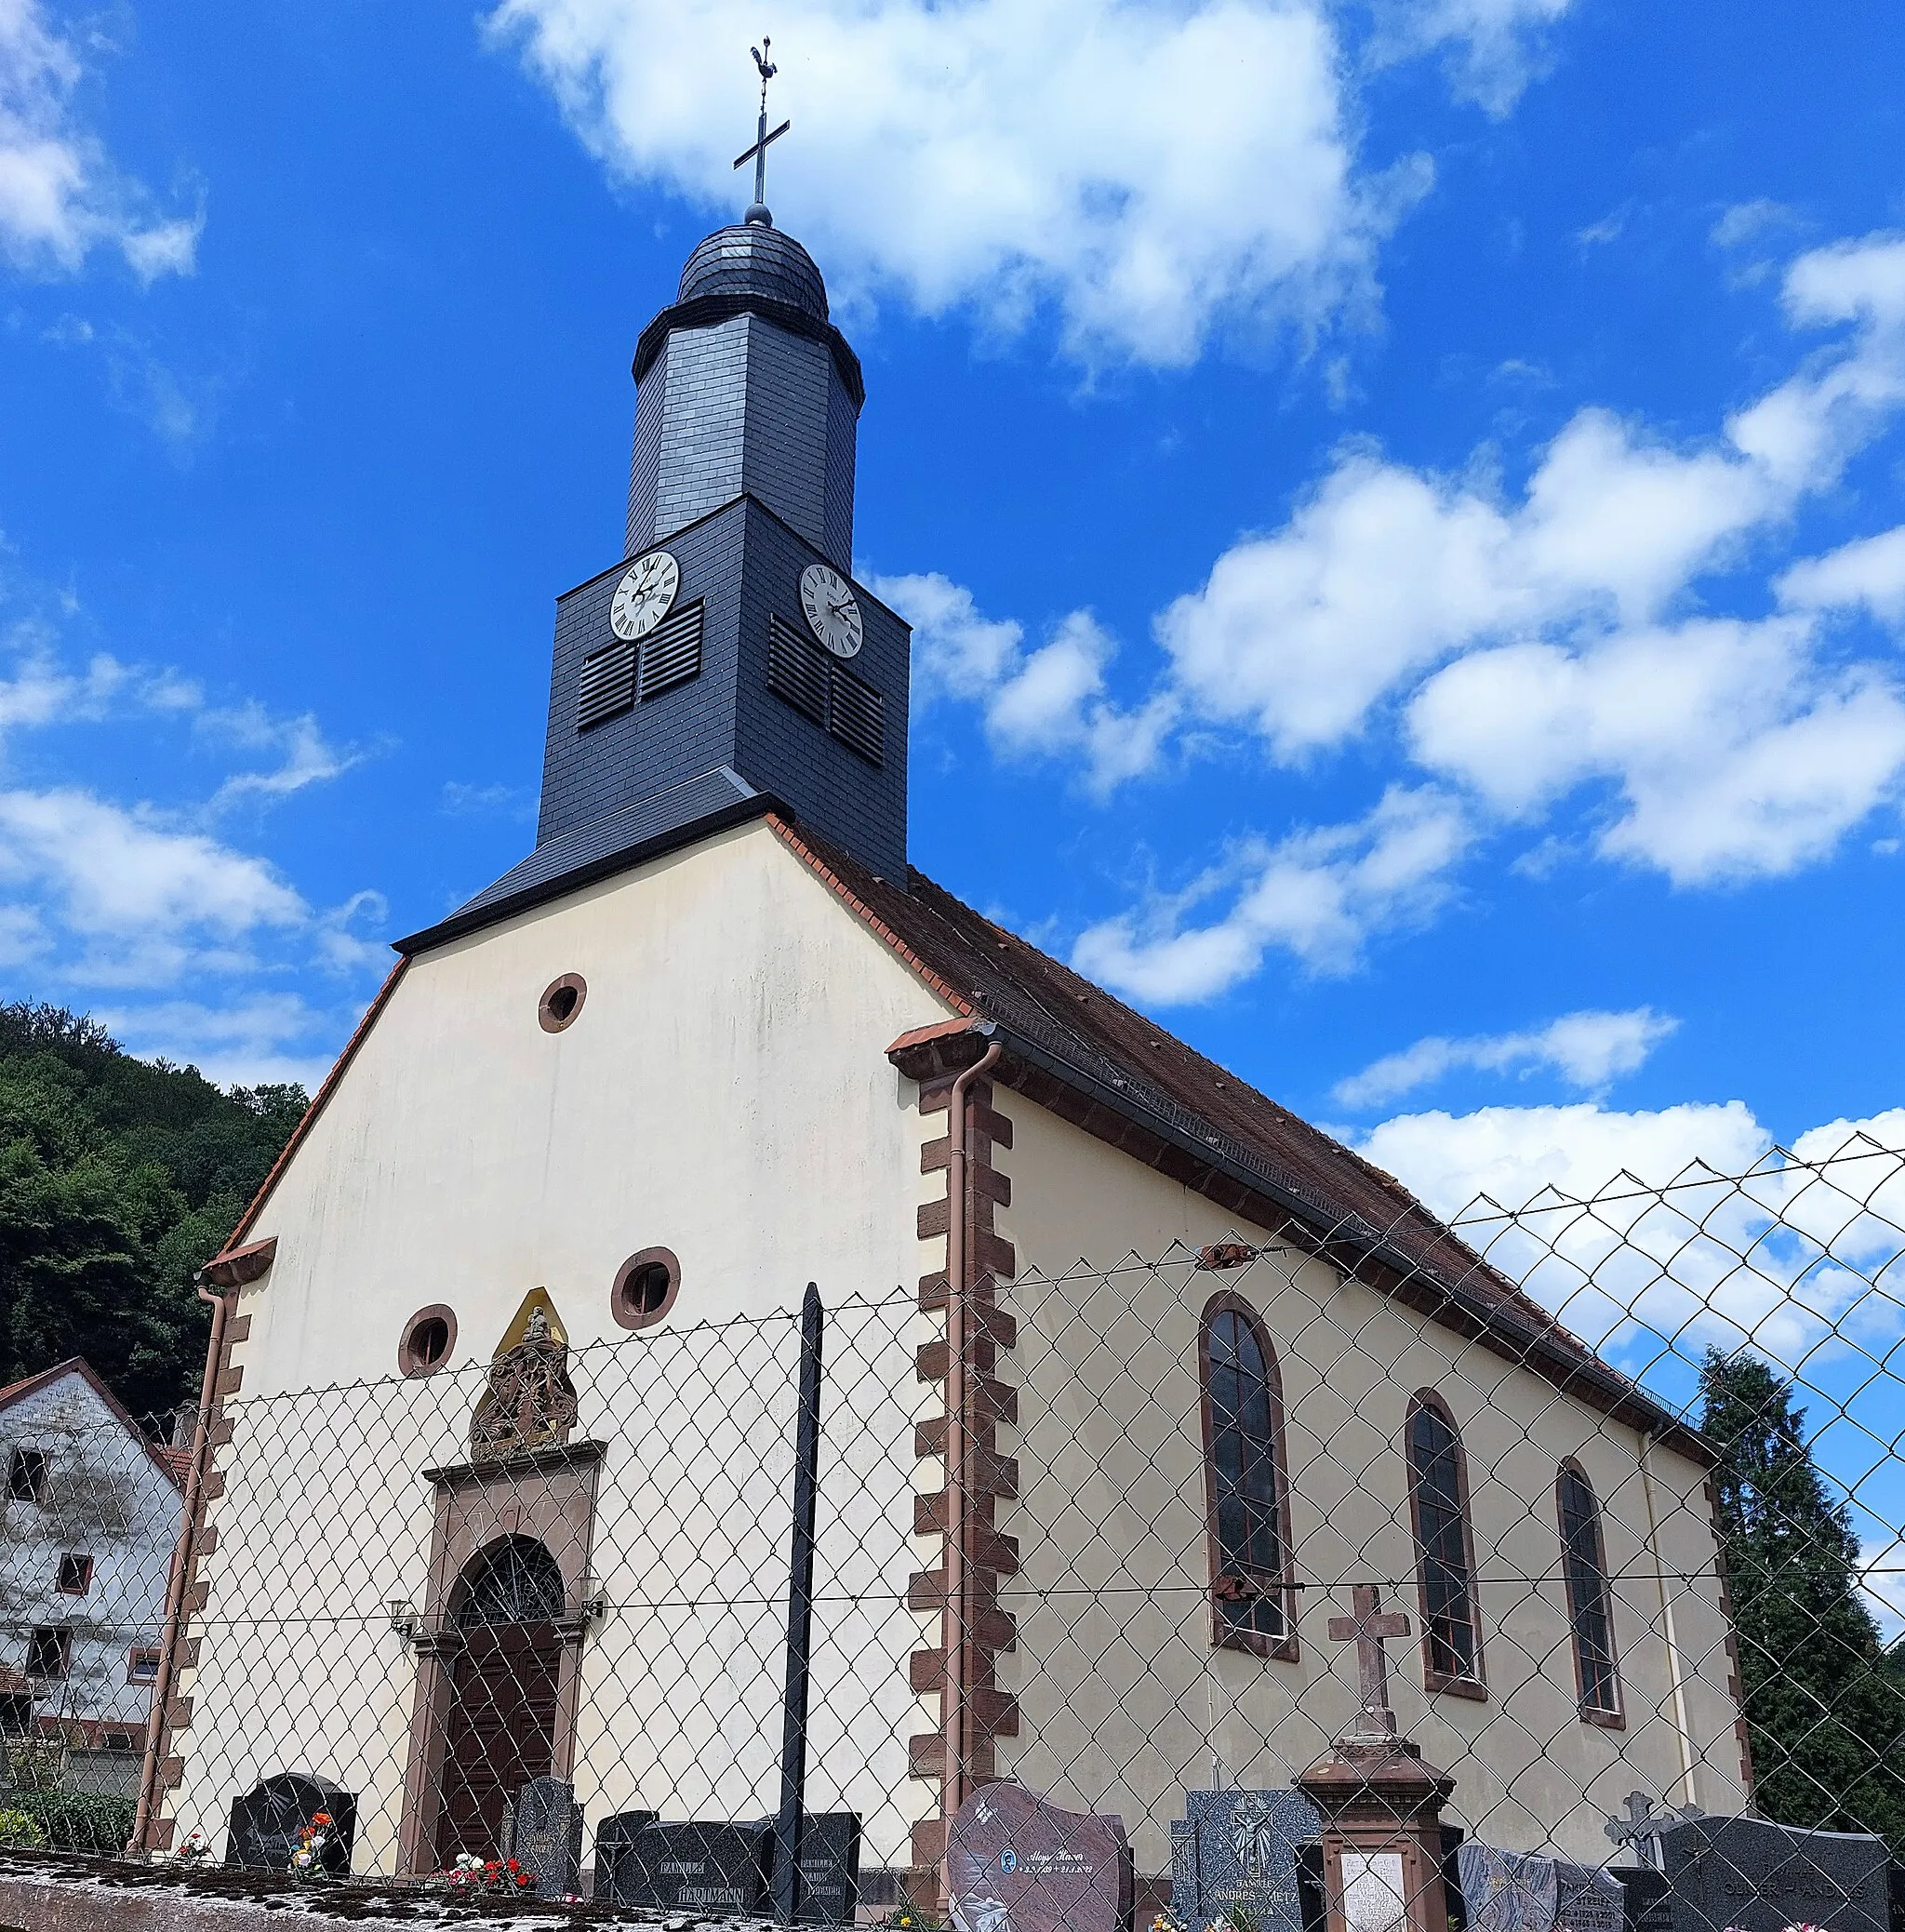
{"x": 1590, "y": 1608}
{"x": 1445, "y": 1550}
{"x": 1248, "y": 1497}
{"x": 515, "y": 1580}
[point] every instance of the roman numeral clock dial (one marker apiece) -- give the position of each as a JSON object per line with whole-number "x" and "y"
{"x": 645, "y": 596}
{"x": 833, "y": 613}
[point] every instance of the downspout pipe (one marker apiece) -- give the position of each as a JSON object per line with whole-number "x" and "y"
{"x": 961, "y": 1606}
{"x": 221, "y": 1305}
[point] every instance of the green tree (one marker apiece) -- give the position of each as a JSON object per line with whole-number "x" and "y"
{"x": 1825, "y": 1708}
{"x": 118, "y": 1177}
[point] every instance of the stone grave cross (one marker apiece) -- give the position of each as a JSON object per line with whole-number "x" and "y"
{"x": 1642, "y": 1829}
{"x": 1366, "y": 1629}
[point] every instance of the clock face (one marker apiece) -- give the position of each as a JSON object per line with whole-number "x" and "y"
{"x": 827, "y": 598}
{"x": 645, "y": 595}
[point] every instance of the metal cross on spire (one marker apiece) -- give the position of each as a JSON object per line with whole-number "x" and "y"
{"x": 758, "y": 153}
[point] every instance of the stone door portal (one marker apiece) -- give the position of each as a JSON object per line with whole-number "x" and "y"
{"x": 499, "y": 1725}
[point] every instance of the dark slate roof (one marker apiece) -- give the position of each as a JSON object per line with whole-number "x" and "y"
{"x": 754, "y": 260}
{"x": 1066, "y": 1026}
{"x": 610, "y": 844}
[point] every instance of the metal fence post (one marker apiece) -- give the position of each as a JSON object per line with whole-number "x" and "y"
{"x": 800, "y": 1617}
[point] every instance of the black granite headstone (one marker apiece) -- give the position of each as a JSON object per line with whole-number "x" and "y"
{"x": 829, "y": 1890}
{"x": 696, "y": 1867}
{"x": 1643, "y": 1903}
{"x": 615, "y": 1855}
{"x": 268, "y": 1822}
{"x": 542, "y": 1831}
{"x": 1016, "y": 1863}
{"x": 1897, "y": 1876}
{"x": 1756, "y": 1877}
{"x": 1236, "y": 1851}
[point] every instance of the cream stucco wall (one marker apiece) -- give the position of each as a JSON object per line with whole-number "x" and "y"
{"x": 724, "y": 1093}
{"x": 1124, "y": 1701}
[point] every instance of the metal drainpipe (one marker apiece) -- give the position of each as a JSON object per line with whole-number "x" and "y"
{"x": 181, "y": 1566}
{"x": 960, "y": 1610}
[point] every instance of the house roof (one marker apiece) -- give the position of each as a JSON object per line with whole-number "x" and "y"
{"x": 78, "y": 1364}
{"x": 1072, "y": 1047}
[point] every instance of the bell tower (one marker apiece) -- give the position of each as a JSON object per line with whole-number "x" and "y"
{"x": 727, "y": 663}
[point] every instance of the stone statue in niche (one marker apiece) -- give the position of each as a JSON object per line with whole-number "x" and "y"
{"x": 531, "y": 1401}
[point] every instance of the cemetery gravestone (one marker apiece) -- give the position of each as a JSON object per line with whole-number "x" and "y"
{"x": 1014, "y": 1864}
{"x": 702, "y": 1867}
{"x": 542, "y": 1831}
{"x": 1237, "y": 1851}
{"x": 1505, "y": 1891}
{"x": 829, "y": 1889}
{"x": 1645, "y": 1906}
{"x": 268, "y": 1821}
{"x": 615, "y": 1857}
{"x": 1750, "y": 1874}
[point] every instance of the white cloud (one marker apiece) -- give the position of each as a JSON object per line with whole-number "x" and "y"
{"x": 1492, "y": 48}
{"x": 144, "y": 898}
{"x": 1748, "y": 221}
{"x": 307, "y": 756}
{"x": 1043, "y": 703}
{"x": 1882, "y": 1576}
{"x": 1735, "y": 754}
{"x": 986, "y": 153}
{"x": 1317, "y": 895}
{"x": 1678, "y": 1228}
{"x": 1587, "y": 1049}
{"x": 60, "y": 195}
{"x": 1870, "y": 572}
{"x": 250, "y": 1042}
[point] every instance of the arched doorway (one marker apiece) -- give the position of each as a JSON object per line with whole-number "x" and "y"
{"x": 499, "y": 1725}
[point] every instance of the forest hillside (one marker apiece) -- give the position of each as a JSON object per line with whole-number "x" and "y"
{"x": 118, "y": 1177}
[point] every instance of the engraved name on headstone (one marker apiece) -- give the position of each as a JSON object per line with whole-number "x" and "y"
{"x": 1015, "y": 1864}
{"x": 1505, "y": 1891}
{"x": 1749, "y": 1873}
{"x": 267, "y": 1821}
{"x": 1237, "y": 1851}
{"x": 542, "y": 1831}
{"x": 696, "y": 1866}
{"x": 829, "y": 1891}
{"x": 1373, "y": 1897}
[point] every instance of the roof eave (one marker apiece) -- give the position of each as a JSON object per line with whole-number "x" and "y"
{"x": 1050, "y": 1081}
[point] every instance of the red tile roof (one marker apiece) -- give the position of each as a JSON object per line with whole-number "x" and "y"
{"x": 1065, "y": 1028}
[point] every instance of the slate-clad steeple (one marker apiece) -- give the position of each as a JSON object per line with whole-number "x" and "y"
{"x": 727, "y": 663}
{"x": 744, "y": 385}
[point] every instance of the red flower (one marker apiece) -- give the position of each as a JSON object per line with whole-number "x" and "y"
{"x": 320, "y": 1818}
{"x": 523, "y": 1879}
{"x": 513, "y": 1865}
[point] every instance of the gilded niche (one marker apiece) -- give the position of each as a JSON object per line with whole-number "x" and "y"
{"x": 529, "y": 1401}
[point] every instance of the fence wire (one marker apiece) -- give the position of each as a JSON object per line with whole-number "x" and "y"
{"x": 1630, "y": 1478}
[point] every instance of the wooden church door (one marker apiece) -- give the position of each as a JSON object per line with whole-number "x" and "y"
{"x": 499, "y": 1728}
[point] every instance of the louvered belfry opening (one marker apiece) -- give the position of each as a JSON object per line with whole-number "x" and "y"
{"x": 616, "y": 679}
{"x": 820, "y": 688}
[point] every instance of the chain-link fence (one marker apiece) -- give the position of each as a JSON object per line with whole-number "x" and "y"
{"x": 1615, "y": 1512}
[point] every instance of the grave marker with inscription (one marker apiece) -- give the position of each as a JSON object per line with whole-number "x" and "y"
{"x": 1015, "y": 1864}
{"x": 1750, "y": 1874}
{"x": 266, "y": 1823}
{"x": 1237, "y": 1851}
{"x": 542, "y": 1831}
{"x": 1506, "y": 1891}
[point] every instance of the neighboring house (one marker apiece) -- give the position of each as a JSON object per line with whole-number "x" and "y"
{"x": 697, "y": 1050}
{"x": 90, "y": 1515}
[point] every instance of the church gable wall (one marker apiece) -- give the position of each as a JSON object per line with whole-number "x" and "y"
{"x": 1112, "y": 1497}
{"x": 723, "y": 1092}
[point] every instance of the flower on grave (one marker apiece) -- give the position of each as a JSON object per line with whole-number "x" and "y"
{"x": 197, "y": 1846}
{"x": 1805, "y": 1927}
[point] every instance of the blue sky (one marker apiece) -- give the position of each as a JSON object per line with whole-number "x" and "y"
{"x": 1402, "y": 508}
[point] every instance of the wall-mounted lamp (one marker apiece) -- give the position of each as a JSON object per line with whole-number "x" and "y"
{"x": 405, "y": 1618}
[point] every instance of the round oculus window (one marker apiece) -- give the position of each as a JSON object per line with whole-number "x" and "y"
{"x": 429, "y": 1335}
{"x": 646, "y": 1286}
{"x": 562, "y": 1000}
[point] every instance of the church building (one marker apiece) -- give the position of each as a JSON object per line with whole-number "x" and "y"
{"x": 714, "y": 1039}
